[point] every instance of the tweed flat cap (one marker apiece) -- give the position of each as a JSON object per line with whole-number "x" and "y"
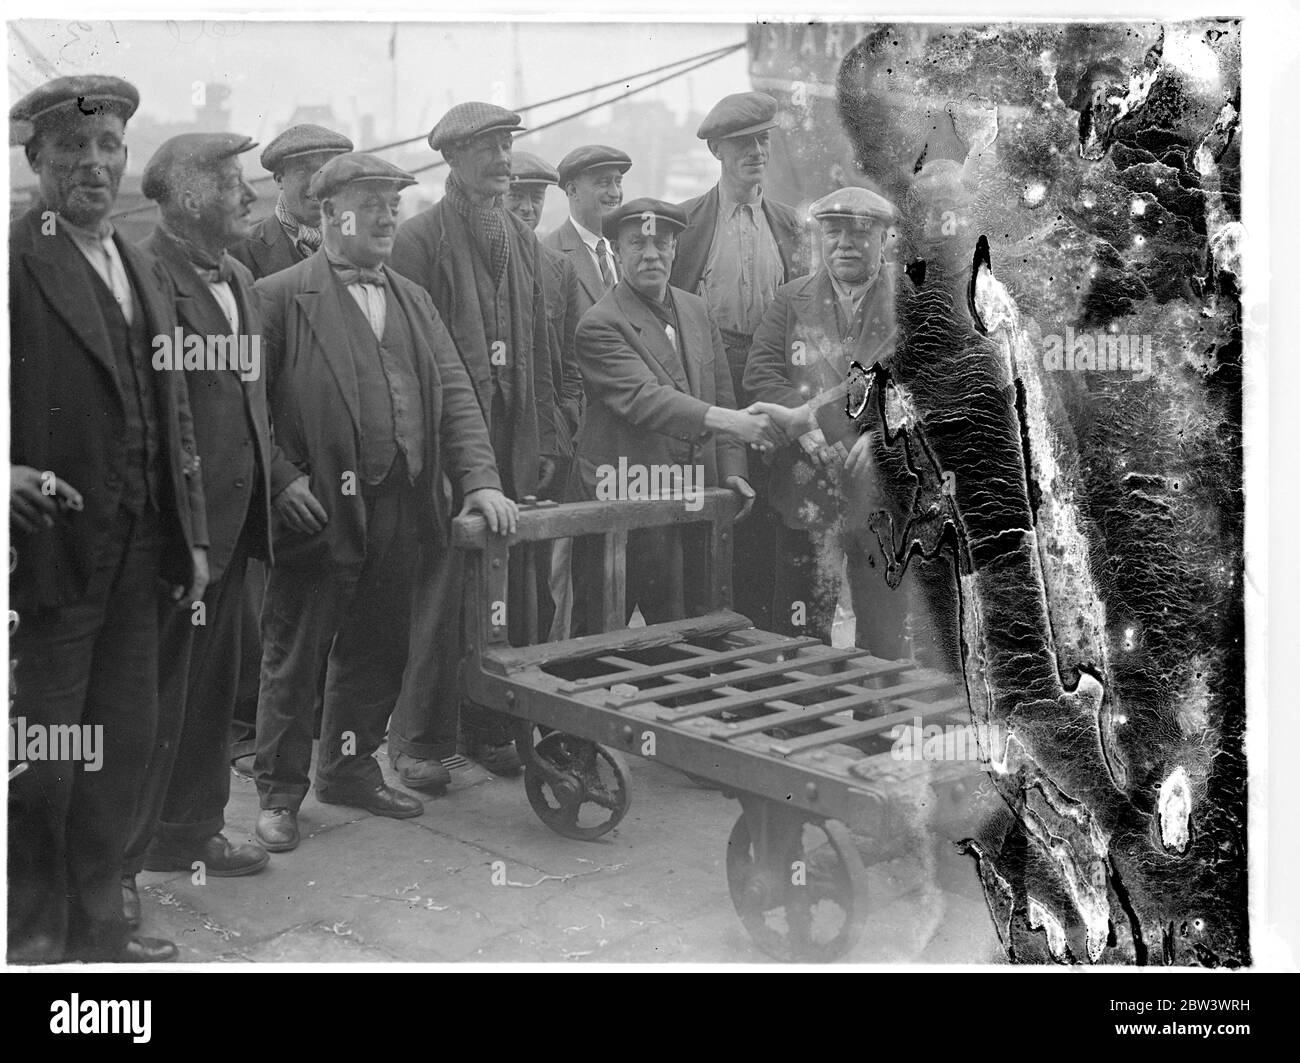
{"x": 91, "y": 93}
{"x": 356, "y": 166}
{"x": 588, "y": 157}
{"x": 304, "y": 139}
{"x": 202, "y": 149}
{"x": 853, "y": 203}
{"x": 467, "y": 120}
{"x": 529, "y": 169}
{"x": 644, "y": 209}
{"x": 741, "y": 114}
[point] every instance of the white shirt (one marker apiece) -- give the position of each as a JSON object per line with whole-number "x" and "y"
{"x": 373, "y": 301}
{"x": 226, "y": 300}
{"x": 592, "y": 243}
{"x": 101, "y": 252}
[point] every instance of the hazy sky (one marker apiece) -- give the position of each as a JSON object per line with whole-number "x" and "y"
{"x": 274, "y": 66}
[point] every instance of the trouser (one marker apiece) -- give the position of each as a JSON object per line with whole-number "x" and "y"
{"x": 244, "y": 723}
{"x": 754, "y": 557}
{"x": 354, "y": 622}
{"x": 188, "y": 783}
{"x": 90, "y": 666}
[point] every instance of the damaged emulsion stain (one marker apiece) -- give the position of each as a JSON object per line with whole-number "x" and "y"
{"x": 1073, "y": 527}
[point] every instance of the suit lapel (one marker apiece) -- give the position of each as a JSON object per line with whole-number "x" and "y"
{"x": 573, "y": 246}
{"x": 320, "y": 303}
{"x": 652, "y": 335}
{"x": 694, "y": 243}
{"x": 196, "y": 306}
{"x": 694, "y": 342}
{"x": 787, "y": 238}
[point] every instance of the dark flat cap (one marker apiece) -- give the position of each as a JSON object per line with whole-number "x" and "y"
{"x": 304, "y": 139}
{"x": 91, "y": 93}
{"x": 356, "y": 166}
{"x": 741, "y": 114}
{"x": 529, "y": 169}
{"x": 467, "y": 120}
{"x": 853, "y": 203}
{"x": 665, "y": 215}
{"x": 588, "y": 157}
{"x": 194, "y": 149}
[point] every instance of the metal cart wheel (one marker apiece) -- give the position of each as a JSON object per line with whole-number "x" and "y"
{"x": 797, "y": 884}
{"x": 577, "y": 788}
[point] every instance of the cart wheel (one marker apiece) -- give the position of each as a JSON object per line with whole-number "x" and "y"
{"x": 593, "y": 795}
{"x": 806, "y": 904}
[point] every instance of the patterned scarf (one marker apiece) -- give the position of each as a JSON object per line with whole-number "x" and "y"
{"x": 305, "y": 237}
{"x": 487, "y": 223}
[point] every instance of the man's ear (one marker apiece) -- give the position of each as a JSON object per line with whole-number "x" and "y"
{"x": 713, "y": 149}
{"x": 32, "y": 150}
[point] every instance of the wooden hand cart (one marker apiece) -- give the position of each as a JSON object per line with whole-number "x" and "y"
{"x": 798, "y": 732}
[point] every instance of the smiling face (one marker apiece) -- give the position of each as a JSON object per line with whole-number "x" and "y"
{"x": 594, "y": 193}
{"x": 851, "y": 247}
{"x": 80, "y": 161}
{"x": 360, "y": 220}
{"x": 744, "y": 159}
{"x": 645, "y": 259}
{"x": 294, "y": 181}
{"x": 482, "y": 163}
{"x": 525, "y": 201}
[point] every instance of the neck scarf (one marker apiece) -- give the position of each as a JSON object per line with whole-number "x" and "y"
{"x": 487, "y": 224}
{"x": 306, "y": 237}
{"x": 214, "y": 270}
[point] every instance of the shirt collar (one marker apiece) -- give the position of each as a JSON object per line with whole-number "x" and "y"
{"x": 853, "y": 292}
{"x": 587, "y": 236}
{"x": 103, "y": 235}
{"x": 727, "y": 206}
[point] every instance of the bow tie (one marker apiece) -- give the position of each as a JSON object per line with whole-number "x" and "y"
{"x": 356, "y": 275}
{"x": 221, "y": 273}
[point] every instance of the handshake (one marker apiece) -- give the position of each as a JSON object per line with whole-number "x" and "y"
{"x": 764, "y": 426}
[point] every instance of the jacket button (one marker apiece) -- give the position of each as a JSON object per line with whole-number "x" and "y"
{"x": 239, "y": 483}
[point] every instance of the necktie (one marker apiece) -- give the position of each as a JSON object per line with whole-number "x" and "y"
{"x": 606, "y": 267}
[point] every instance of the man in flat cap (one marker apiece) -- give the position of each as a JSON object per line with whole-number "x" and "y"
{"x": 659, "y": 394}
{"x": 198, "y": 183}
{"x": 105, "y": 506}
{"x": 592, "y": 178}
{"x": 370, "y": 405}
{"x": 530, "y": 177}
{"x": 484, "y": 269}
{"x": 292, "y": 231}
{"x": 738, "y": 248}
{"x": 823, "y": 484}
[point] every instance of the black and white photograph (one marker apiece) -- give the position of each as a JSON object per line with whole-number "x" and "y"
{"x": 705, "y": 490}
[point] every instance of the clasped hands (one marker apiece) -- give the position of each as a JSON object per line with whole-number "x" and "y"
{"x": 766, "y": 426}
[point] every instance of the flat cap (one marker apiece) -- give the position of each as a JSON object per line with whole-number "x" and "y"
{"x": 194, "y": 149}
{"x": 467, "y": 120}
{"x": 304, "y": 139}
{"x": 588, "y": 157}
{"x": 853, "y": 203}
{"x": 356, "y": 166}
{"x": 529, "y": 169}
{"x": 644, "y": 209}
{"x": 741, "y": 114}
{"x": 91, "y": 93}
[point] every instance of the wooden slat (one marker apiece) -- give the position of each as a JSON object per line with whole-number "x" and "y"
{"x": 707, "y": 658}
{"x": 847, "y": 733}
{"x": 530, "y": 591}
{"x": 760, "y": 697}
{"x": 614, "y": 582}
{"x": 697, "y": 684}
{"x": 493, "y": 586}
{"x": 512, "y": 659}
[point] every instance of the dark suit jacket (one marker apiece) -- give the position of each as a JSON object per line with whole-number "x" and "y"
{"x": 694, "y": 241}
{"x": 560, "y": 281}
{"x": 436, "y": 250}
{"x": 68, "y": 414}
{"x": 267, "y": 249}
{"x": 799, "y": 352}
{"x": 566, "y": 240}
{"x": 315, "y": 410}
{"x": 647, "y": 404}
{"x": 230, "y": 418}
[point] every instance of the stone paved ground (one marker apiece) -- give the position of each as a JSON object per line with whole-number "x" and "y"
{"x": 364, "y": 888}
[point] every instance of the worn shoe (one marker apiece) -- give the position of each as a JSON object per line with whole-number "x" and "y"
{"x": 499, "y": 759}
{"x": 147, "y": 950}
{"x": 131, "y": 902}
{"x": 219, "y": 858}
{"x": 277, "y": 829}
{"x": 420, "y": 774}
{"x": 464, "y": 772}
{"x": 379, "y": 801}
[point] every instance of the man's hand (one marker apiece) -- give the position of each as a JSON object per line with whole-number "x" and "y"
{"x": 814, "y": 445}
{"x": 756, "y": 429}
{"x": 545, "y": 473}
{"x": 860, "y": 463}
{"x": 741, "y": 486}
{"x": 185, "y": 598}
{"x": 793, "y": 422}
{"x": 501, "y": 514}
{"x": 299, "y": 508}
{"x": 36, "y": 498}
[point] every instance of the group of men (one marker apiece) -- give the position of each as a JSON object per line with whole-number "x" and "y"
{"x": 237, "y": 448}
